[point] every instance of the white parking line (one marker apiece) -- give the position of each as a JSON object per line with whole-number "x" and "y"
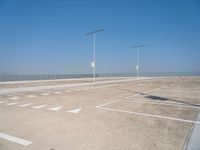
{"x": 38, "y": 107}
{"x": 9, "y": 104}
{"x": 163, "y": 103}
{"x": 57, "y": 92}
{"x": 25, "y": 105}
{"x": 15, "y": 139}
{"x": 31, "y": 96}
{"x": 55, "y": 108}
{"x": 158, "y": 101}
{"x": 108, "y": 103}
{"x": 149, "y": 115}
{"x": 44, "y": 94}
{"x": 13, "y": 98}
{"x": 68, "y": 91}
{"x": 1, "y": 102}
{"x": 132, "y": 96}
{"x": 129, "y": 97}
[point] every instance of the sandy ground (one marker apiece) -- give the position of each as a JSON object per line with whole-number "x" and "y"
{"x": 143, "y": 114}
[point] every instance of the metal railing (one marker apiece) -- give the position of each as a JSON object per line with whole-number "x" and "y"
{"x": 69, "y": 76}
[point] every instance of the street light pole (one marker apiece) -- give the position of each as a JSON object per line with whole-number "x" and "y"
{"x": 93, "y": 63}
{"x": 138, "y": 62}
{"x": 138, "y": 59}
{"x": 94, "y": 57}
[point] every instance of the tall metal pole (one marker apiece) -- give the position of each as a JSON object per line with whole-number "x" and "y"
{"x": 138, "y": 67}
{"x": 94, "y": 57}
{"x": 93, "y": 63}
{"x": 138, "y": 58}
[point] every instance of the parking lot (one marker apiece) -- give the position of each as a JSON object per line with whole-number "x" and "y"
{"x": 112, "y": 114}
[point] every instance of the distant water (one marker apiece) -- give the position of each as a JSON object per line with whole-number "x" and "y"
{"x": 68, "y": 76}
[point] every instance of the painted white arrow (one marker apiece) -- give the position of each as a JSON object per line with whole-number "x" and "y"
{"x": 75, "y": 111}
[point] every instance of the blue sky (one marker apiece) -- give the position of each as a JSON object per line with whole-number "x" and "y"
{"x": 48, "y": 36}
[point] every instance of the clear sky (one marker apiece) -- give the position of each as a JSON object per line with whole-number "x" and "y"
{"x": 48, "y": 36}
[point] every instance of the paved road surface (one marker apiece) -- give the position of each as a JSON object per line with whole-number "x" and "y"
{"x": 114, "y": 114}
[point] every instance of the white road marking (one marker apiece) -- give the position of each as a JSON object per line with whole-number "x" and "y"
{"x": 13, "y": 98}
{"x": 75, "y": 79}
{"x": 25, "y": 105}
{"x": 57, "y": 92}
{"x": 163, "y": 103}
{"x": 149, "y": 115}
{"x": 75, "y": 110}
{"x": 38, "y": 107}
{"x": 68, "y": 91}
{"x": 157, "y": 101}
{"x": 44, "y": 94}
{"x": 9, "y": 104}
{"x": 129, "y": 97}
{"x": 15, "y": 139}
{"x": 1, "y": 102}
{"x": 39, "y": 88}
{"x": 55, "y": 108}
{"x": 108, "y": 103}
{"x": 157, "y": 88}
{"x": 31, "y": 96}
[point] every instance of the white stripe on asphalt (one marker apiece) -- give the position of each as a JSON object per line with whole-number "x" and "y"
{"x": 55, "y": 108}
{"x": 149, "y": 115}
{"x": 44, "y": 94}
{"x": 15, "y": 139}
{"x": 57, "y": 92}
{"x": 68, "y": 91}
{"x": 164, "y": 103}
{"x": 9, "y": 104}
{"x": 75, "y": 111}
{"x": 129, "y": 97}
{"x": 38, "y": 107}
{"x": 39, "y": 88}
{"x": 108, "y": 103}
{"x": 25, "y": 105}
{"x": 31, "y": 96}
{"x": 13, "y": 98}
{"x": 1, "y": 102}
